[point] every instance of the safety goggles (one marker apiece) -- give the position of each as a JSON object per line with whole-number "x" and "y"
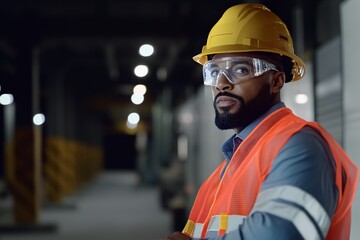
{"x": 235, "y": 69}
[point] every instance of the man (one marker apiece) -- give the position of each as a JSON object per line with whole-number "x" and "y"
{"x": 282, "y": 177}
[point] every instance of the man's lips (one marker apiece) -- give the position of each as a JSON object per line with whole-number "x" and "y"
{"x": 225, "y": 101}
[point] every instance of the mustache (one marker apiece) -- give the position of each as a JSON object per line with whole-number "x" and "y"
{"x": 227, "y": 95}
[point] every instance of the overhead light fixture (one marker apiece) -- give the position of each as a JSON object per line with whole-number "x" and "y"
{"x": 146, "y": 50}
{"x": 38, "y": 119}
{"x": 141, "y": 70}
{"x": 133, "y": 118}
{"x": 140, "y": 89}
{"x": 6, "y": 99}
{"x": 137, "y": 98}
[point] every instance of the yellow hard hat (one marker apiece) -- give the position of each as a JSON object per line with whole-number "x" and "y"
{"x": 251, "y": 28}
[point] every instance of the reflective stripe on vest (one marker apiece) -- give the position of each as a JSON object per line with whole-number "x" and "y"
{"x": 193, "y": 229}
{"x": 218, "y": 223}
{"x": 225, "y": 223}
{"x": 279, "y": 201}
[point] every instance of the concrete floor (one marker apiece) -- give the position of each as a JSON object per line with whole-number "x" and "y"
{"x": 112, "y": 207}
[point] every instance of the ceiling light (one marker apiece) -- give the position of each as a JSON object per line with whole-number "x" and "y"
{"x": 137, "y": 98}
{"x": 39, "y": 119}
{"x": 139, "y": 89}
{"x": 146, "y": 50}
{"x": 133, "y": 118}
{"x": 141, "y": 70}
{"x": 6, "y": 99}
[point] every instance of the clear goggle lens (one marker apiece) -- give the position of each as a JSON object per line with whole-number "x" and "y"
{"x": 235, "y": 69}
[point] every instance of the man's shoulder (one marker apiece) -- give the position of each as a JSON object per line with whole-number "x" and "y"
{"x": 307, "y": 137}
{"x": 306, "y": 146}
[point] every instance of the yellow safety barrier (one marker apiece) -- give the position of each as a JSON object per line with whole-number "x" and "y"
{"x": 9, "y": 164}
{"x": 59, "y": 173}
{"x": 66, "y": 166}
{"x": 69, "y": 164}
{"x": 89, "y": 162}
{"x": 26, "y": 179}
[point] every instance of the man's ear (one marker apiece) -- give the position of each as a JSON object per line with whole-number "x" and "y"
{"x": 278, "y": 81}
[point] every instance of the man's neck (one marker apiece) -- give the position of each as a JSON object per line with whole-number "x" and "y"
{"x": 240, "y": 128}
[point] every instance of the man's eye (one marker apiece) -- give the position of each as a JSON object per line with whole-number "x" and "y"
{"x": 214, "y": 73}
{"x": 241, "y": 70}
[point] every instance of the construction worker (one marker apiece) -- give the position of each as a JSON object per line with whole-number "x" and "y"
{"x": 282, "y": 177}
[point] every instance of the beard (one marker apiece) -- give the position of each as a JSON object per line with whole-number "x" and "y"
{"x": 246, "y": 113}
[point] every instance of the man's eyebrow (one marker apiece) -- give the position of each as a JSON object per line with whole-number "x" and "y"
{"x": 214, "y": 65}
{"x": 241, "y": 62}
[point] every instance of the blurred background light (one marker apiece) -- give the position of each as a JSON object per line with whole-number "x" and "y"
{"x": 301, "y": 98}
{"x": 141, "y": 70}
{"x": 39, "y": 119}
{"x": 133, "y": 118}
{"x": 137, "y": 98}
{"x": 140, "y": 89}
{"x": 130, "y": 125}
{"x": 6, "y": 99}
{"x": 146, "y": 50}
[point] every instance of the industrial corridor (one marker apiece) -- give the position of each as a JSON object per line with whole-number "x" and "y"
{"x": 108, "y": 128}
{"x": 113, "y": 206}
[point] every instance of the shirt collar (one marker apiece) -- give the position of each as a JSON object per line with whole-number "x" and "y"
{"x": 248, "y": 129}
{"x": 229, "y": 147}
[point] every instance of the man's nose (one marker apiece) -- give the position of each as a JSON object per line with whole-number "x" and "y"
{"x": 223, "y": 82}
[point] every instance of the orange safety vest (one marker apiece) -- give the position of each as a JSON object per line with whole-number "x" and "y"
{"x": 222, "y": 204}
